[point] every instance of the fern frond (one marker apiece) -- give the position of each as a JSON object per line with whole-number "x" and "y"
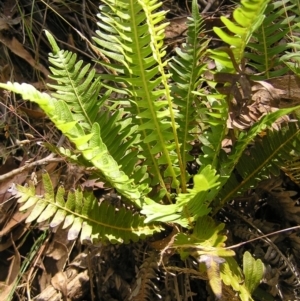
{"x": 207, "y": 245}
{"x": 247, "y": 18}
{"x": 145, "y": 283}
{"x": 214, "y": 113}
{"x": 82, "y": 213}
{"x": 265, "y": 47}
{"x": 90, "y": 145}
{"x": 232, "y": 276}
{"x": 292, "y": 59}
{"x": 127, "y": 30}
{"x": 187, "y": 69}
{"x": 292, "y": 169}
{"x": 79, "y": 89}
{"x": 189, "y": 206}
{"x": 265, "y": 158}
{"x": 76, "y": 84}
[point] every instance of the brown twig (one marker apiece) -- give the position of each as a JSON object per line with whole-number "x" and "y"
{"x": 43, "y": 161}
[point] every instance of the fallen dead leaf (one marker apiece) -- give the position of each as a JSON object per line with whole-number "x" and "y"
{"x": 290, "y": 84}
{"x": 14, "y": 268}
{"x": 17, "y": 48}
{"x": 59, "y": 281}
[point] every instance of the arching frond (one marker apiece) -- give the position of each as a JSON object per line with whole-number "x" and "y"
{"x": 247, "y": 18}
{"x": 263, "y": 159}
{"x": 89, "y": 144}
{"x": 82, "y": 213}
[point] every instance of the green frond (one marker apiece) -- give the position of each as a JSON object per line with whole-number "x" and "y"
{"x": 187, "y": 68}
{"x": 189, "y": 206}
{"x": 246, "y": 19}
{"x": 90, "y": 145}
{"x": 266, "y": 47}
{"x": 78, "y": 88}
{"x": 253, "y": 270}
{"x": 292, "y": 58}
{"x": 207, "y": 245}
{"x": 232, "y": 275}
{"x": 76, "y": 84}
{"x": 82, "y": 213}
{"x": 214, "y": 114}
{"x": 265, "y": 158}
{"x": 128, "y": 28}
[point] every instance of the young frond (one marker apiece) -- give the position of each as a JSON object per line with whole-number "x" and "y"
{"x": 187, "y": 69}
{"x": 247, "y": 18}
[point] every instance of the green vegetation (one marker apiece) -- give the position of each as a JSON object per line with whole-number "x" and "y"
{"x": 135, "y": 127}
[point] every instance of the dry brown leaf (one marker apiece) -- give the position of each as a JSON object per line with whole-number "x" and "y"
{"x": 17, "y": 234}
{"x": 17, "y": 48}
{"x": 59, "y": 282}
{"x": 176, "y": 27}
{"x": 14, "y": 265}
{"x": 35, "y": 114}
{"x": 14, "y": 220}
{"x": 288, "y": 83}
{"x": 14, "y": 268}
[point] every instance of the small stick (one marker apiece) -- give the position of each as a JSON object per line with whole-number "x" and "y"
{"x": 43, "y": 161}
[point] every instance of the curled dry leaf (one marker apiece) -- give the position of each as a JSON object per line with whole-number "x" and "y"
{"x": 59, "y": 281}
{"x": 266, "y": 99}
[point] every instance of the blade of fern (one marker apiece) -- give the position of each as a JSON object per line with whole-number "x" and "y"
{"x": 39, "y": 207}
{"x": 70, "y": 206}
{"x": 60, "y": 202}
{"x": 292, "y": 59}
{"x": 97, "y": 153}
{"x": 121, "y": 139}
{"x": 82, "y": 211}
{"x": 245, "y": 138}
{"x": 265, "y": 158}
{"x": 75, "y": 84}
{"x": 49, "y": 211}
{"x": 28, "y": 201}
{"x": 206, "y": 237}
{"x": 106, "y": 223}
{"x": 247, "y": 17}
{"x": 232, "y": 275}
{"x": 266, "y": 47}
{"x": 140, "y": 52}
{"x": 189, "y": 206}
{"x": 23, "y": 193}
{"x": 214, "y": 119}
{"x": 158, "y": 53}
{"x": 90, "y": 145}
{"x": 75, "y": 229}
{"x": 48, "y": 187}
{"x": 78, "y": 89}
{"x": 187, "y": 68}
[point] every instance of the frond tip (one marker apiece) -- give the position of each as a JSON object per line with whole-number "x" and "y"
{"x": 82, "y": 213}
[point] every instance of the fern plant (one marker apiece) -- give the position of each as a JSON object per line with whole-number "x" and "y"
{"x": 141, "y": 139}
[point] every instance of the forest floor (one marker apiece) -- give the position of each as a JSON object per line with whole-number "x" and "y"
{"x": 37, "y": 263}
